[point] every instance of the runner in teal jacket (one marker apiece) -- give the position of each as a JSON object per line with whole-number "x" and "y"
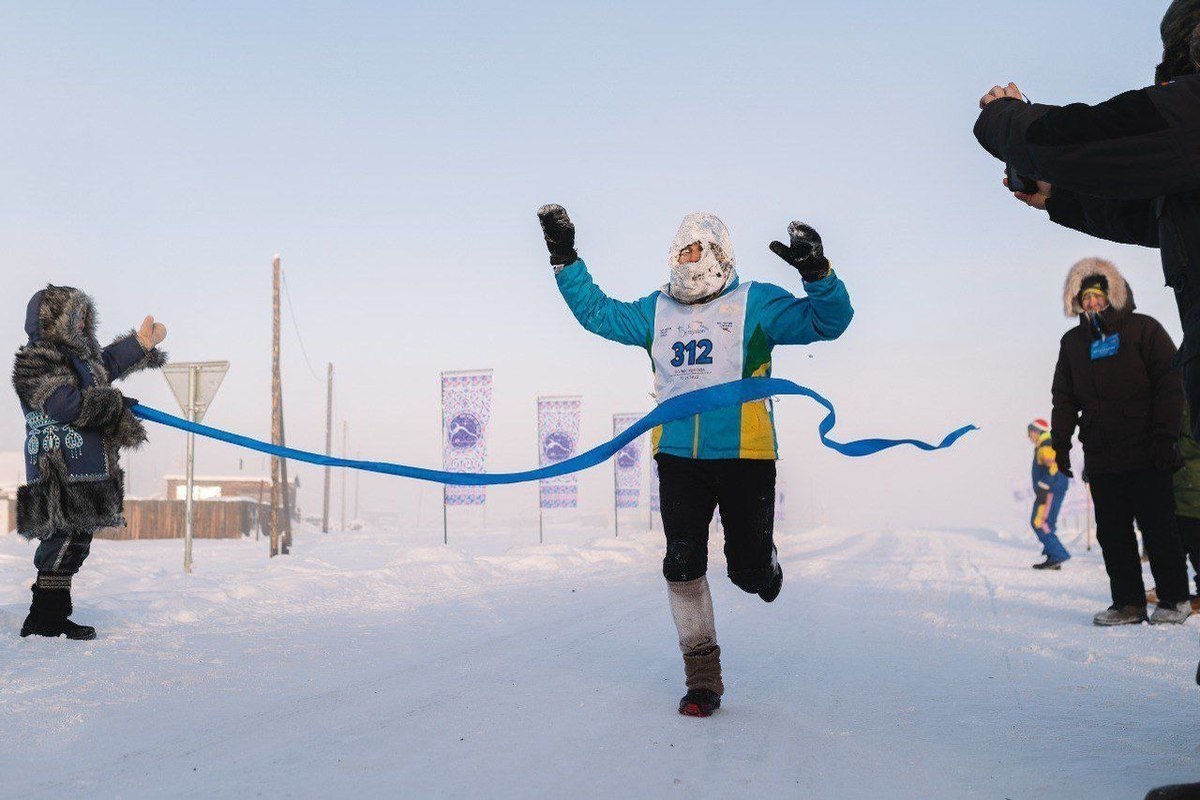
{"x": 772, "y": 316}
{"x": 704, "y": 328}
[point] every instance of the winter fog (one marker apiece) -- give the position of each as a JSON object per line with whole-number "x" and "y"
{"x": 395, "y": 155}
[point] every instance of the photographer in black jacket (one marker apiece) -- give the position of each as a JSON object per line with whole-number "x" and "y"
{"x": 1126, "y": 170}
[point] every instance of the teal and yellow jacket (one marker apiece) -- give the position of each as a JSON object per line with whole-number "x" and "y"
{"x": 772, "y": 316}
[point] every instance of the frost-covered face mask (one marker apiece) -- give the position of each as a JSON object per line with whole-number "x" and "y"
{"x": 696, "y": 280}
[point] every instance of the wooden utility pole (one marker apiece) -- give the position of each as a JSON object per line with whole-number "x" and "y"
{"x": 276, "y": 411}
{"x": 328, "y": 443}
{"x": 286, "y": 546}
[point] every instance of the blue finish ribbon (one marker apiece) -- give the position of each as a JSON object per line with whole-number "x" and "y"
{"x": 724, "y": 395}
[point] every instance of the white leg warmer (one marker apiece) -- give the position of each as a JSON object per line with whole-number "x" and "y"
{"x": 692, "y": 609}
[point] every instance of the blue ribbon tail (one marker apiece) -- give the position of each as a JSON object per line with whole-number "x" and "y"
{"x": 734, "y": 393}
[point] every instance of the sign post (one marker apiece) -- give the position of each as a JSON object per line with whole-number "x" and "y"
{"x": 194, "y": 384}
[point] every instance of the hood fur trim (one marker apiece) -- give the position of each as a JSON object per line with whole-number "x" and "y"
{"x": 66, "y": 316}
{"x": 1120, "y": 296}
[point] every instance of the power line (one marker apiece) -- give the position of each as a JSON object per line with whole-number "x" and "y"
{"x": 296, "y": 327}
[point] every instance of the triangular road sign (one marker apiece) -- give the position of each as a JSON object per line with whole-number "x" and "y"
{"x": 207, "y": 379}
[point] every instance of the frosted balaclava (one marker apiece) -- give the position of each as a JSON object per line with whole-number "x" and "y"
{"x": 705, "y": 279}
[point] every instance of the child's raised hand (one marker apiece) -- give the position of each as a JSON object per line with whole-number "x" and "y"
{"x": 151, "y": 333}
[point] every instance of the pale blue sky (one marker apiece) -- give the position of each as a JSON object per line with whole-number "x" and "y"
{"x": 158, "y": 154}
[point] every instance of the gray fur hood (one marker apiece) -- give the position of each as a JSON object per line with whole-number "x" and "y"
{"x": 65, "y": 316}
{"x": 1120, "y": 296}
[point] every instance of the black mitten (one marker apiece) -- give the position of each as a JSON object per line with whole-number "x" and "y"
{"x": 1063, "y": 459}
{"x": 805, "y": 253}
{"x": 1166, "y": 455}
{"x": 559, "y": 233}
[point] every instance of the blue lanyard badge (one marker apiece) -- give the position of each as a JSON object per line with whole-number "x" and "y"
{"x": 1106, "y": 346}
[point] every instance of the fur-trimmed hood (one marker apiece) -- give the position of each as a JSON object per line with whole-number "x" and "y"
{"x": 65, "y": 316}
{"x": 1120, "y": 296}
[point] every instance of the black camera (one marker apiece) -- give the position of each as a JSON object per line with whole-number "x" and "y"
{"x": 1018, "y": 182}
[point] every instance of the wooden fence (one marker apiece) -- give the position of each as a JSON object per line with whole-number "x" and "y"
{"x": 212, "y": 519}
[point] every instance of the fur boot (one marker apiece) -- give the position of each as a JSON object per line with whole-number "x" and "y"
{"x": 51, "y": 608}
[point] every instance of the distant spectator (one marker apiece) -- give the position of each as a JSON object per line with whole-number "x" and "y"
{"x": 1049, "y": 489}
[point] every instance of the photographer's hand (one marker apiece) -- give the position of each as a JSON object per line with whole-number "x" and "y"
{"x": 1038, "y": 200}
{"x": 1000, "y": 92}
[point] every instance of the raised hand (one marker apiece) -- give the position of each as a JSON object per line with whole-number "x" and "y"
{"x": 151, "y": 333}
{"x": 559, "y": 232}
{"x": 805, "y": 253}
{"x": 1010, "y": 92}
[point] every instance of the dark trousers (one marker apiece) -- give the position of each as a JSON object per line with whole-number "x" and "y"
{"x": 1147, "y": 496}
{"x": 1189, "y": 537}
{"x": 691, "y": 489}
{"x": 64, "y": 552}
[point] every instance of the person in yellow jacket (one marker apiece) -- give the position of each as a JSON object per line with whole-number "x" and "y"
{"x": 1049, "y": 489}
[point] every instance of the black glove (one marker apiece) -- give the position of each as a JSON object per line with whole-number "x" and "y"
{"x": 1063, "y": 459}
{"x": 806, "y": 253}
{"x": 1166, "y": 455}
{"x": 559, "y": 233}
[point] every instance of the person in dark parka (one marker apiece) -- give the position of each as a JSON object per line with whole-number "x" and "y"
{"x": 1126, "y": 170}
{"x": 1115, "y": 379}
{"x": 75, "y": 424}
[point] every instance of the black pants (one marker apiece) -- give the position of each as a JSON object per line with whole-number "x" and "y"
{"x": 64, "y": 552}
{"x": 1147, "y": 496}
{"x": 1189, "y": 537}
{"x": 744, "y": 489}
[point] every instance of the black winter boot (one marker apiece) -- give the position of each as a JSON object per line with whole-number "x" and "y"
{"x": 699, "y": 703}
{"x": 703, "y": 672}
{"x": 50, "y": 609}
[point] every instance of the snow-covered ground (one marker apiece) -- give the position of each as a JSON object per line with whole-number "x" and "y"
{"x": 898, "y": 664}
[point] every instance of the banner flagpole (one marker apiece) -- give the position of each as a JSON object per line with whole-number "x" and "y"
{"x": 616, "y": 504}
{"x": 442, "y": 393}
{"x": 538, "y": 432}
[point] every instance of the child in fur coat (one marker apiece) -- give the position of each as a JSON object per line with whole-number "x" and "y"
{"x": 75, "y": 424}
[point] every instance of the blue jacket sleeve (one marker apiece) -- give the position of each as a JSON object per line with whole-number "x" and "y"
{"x": 626, "y": 323}
{"x": 822, "y": 316}
{"x": 120, "y": 356}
